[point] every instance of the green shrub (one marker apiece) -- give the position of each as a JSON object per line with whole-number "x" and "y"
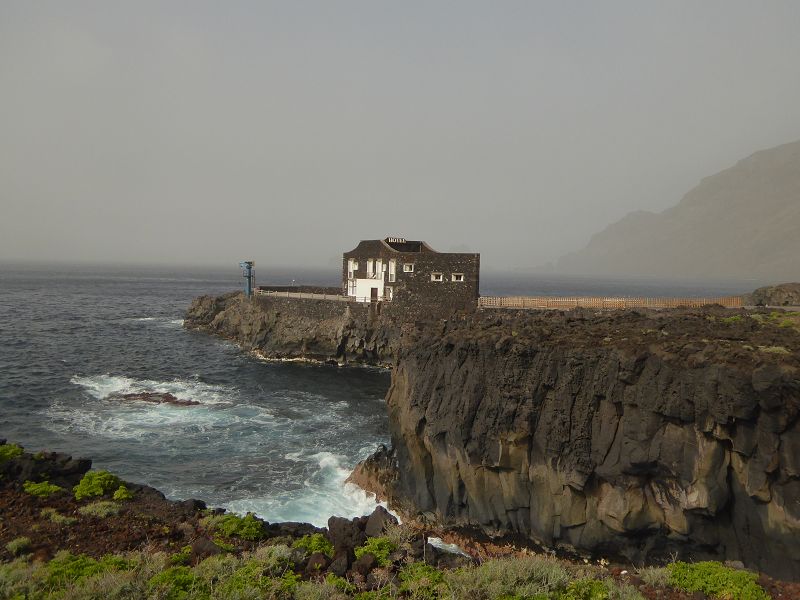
{"x": 39, "y": 455}
{"x": 379, "y": 547}
{"x": 252, "y": 576}
{"x": 526, "y": 577}
{"x": 177, "y": 583}
{"x": 421, "y": 581}
{"x": 654, "y": 576}
{"x": 9, "y": 451}
{"x": 716, "y": 580}
{"x": 275, "y": 559}
{"x": 223, "y": 545}
{"x": 41, "y": 490}
{"x": 182, "y": 557}
{"x": 52, "y": 515}
{"x": 67, "y": 568}
{"x": 96, "y": 483}
{"x": 122, "y": 494}
{"x": 774, "y": 349}
{"x": 100, "y": 509}
{"x": 340, "y": 583}
{"x": 585, "y": 589}
{"x": 19, "y": 546}
{"x": 247, "y": 527}
{"x": 316, "y": 542}
{"x": 732, "y": 320}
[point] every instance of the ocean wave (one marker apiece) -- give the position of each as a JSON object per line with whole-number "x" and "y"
{"x": 326, "y": 494}
{"x": 102, "y": 386}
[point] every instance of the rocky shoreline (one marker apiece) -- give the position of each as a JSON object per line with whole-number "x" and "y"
{"x": 637, "y": 434}
{"x": 63, "y": 538}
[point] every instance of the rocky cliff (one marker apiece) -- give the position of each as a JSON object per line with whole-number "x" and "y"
{"x": 627, "y": 433}
{"x": 784, "y": 294}
{"x": 290, "y": 328}
{"x": 630, "y": 433}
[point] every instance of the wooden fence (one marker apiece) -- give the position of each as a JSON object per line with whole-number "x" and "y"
{"x": 568, "y": 302}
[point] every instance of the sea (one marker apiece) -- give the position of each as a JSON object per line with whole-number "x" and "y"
{"x": 274, "y": 438}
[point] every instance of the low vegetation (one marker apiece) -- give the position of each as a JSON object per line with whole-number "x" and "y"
{"x": 100, "y": 509}
{"x": 52, "y": 515}
{"x": 247, "y": 527}
{"x": 122, "y": 494}
{"x": 43, "y": 489}
{"x": 18, "y": 546}
{"x": 9, "y": 451}
{"x": 716, "y": 580}
{"x": 96, "y": 483}
{"x": 268, "y": 572}
{"x": 315, "y": 543}
{"x": 379, "y": 547}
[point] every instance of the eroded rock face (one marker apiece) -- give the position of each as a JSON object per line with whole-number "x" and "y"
{"x": 629, "y": 434}
{"x": 785, "y": 294}
{"x": 282, "y": 328}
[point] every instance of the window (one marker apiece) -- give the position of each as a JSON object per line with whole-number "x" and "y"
{"x": 437, "y": 277}
{"x": 392, "y": 270}
{"x": 458, "y": 277}
{"x": 388, "y": 293}
{"x": 408, "y": 267}
{"x": 355, "y": 265}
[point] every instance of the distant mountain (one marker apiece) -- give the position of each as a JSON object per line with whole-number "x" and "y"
{"x": 741, "y": 223}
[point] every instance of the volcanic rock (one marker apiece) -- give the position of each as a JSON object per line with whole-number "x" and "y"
{"x": 378, "y": 521}
{"x": 785, "y": 294}
{"x": 155, "y": 398}
{"x": 603, "y": 433}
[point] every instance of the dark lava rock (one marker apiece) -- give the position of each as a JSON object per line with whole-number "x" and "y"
{"x": 339, "y": 564}
{"x": 603, "y": 432}
{"x": 203, "y": 547}
{"x": 193, "y": 506}
{"x": 785, "y": 294}
{"x": 154, "y": 397}
{"x": 377, "y": 522}
{"x": 59, "y": 469}
{"x": 346, "y": 535}
{"x": 291, "y": 529}
{"x": 317, "y": 563}
{"x": 365, "y": 564}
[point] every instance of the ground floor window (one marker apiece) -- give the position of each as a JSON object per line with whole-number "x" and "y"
{"x": 458, "y": 277}
{"x": 437, "y": 277}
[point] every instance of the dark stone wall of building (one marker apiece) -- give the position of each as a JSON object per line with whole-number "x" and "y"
{"x": 417, "y": 288}
{"x": 447, "y": 295}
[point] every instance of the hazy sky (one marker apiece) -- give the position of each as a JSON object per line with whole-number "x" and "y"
{"x": 210, "y": 132}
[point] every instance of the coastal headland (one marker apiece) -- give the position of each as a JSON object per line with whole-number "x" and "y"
{"x": 641, "y": 434}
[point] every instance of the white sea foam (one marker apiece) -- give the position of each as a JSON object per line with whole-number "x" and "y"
{"x": 445, "y": 547}
{"x": 326, "y": 494}
{"x": 140, "y": 420}
{"x": 102, "y": 386}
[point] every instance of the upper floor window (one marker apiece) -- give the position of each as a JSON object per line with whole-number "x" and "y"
{"x": 408, "y": 267}
{"x": 458, "y": 277}
{"x": 437, "y": 277}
